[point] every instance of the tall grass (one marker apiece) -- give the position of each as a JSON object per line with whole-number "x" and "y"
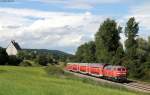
{"x": 35, "y": 81}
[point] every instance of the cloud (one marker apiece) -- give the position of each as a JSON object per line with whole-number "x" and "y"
{"x": 81, "y": 4}
{"x": 141, "y": 14}
{"x": 43, "y": 29}
{"x": 89, "y": 1}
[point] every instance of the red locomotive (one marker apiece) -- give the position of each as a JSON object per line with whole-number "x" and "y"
{"x": 112, "y": 72}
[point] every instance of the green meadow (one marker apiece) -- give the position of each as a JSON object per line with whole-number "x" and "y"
{"x": 36, "y": 81}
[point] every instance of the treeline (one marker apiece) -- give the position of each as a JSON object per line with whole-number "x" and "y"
{"x": 37, "y": 58}
{"x": 134, "y": 53}
{"x": 31, "y": 58}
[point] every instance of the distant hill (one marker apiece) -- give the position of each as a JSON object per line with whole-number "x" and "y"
{"x": 53, "y": 52}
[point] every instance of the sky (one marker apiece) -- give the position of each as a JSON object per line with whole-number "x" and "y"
{"x": 65, "y": 24}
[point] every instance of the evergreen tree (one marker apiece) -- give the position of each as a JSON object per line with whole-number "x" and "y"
{"x": 107, "y": 41}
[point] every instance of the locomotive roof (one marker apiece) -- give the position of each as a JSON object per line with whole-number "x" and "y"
{"x": 97, "y": 64}
{"x": 112, "y": 66}
{"x": 91, "y": 64}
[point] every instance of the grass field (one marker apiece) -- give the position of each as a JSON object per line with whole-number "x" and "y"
{"x": 35, "y": 81}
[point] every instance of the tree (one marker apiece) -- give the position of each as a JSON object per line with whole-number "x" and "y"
{"x": 86, "y": 52}
{"x": 22, "y": 55}
{"x": 79, "y": 54}
{"x": 119, "y": 56}
{"x": 50, "y": 59}
{"x": 131, "y": 31}
{"x": 14, "y": 60}
{"x": 142, "y": 49}
{"x": 42, "y": 59}
{"x": 3, "y": 56}
{"x": 107, "y": 41}
{"x": 143, "y": 53}
{"x": 27, "y": 55}
{"x": 91, "y": 50}
{"x": 148, "y": 56}
{"x": 147, "y": 63}
{"x": 135, "y": 49}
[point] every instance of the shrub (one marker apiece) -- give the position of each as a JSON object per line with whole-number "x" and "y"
{"x": 3, "y": 56}
{"x": 54, "y": 70}
{"x": 14, "y": 60}
{"x": 25, "y": 63}
{"x": 42, "y": 60}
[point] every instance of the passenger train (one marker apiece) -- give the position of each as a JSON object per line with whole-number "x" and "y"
{"x": 106, "y": 71}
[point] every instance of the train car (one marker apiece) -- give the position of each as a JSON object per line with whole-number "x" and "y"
{"x": 83, "y": 68}
{"x": 115, "y": 72}
{"x": 72, "y": 67}
{"x": 96, "y": 69}
{"x": 68, "y": 67}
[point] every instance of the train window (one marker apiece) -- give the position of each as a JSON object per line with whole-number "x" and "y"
{"x": 119, "y": 69}
{"x": 115, "y": 69}
{"x": 95, "y": 67}
{"x": 123, "y": 69}
{"x": 109, "y": 68}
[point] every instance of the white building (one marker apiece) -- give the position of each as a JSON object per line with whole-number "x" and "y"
{"x": 13, "y": 48}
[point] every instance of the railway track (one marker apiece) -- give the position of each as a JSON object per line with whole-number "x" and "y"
{"x": 138, "y": 86}
{"x": 133, "y": 85}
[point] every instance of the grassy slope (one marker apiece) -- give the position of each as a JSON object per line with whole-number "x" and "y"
{"x": 35, "y": 81}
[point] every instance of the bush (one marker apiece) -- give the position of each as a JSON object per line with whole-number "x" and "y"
{"x": 14, "y": 60}
{"x": 147, "y": 74}
{"x": 54, "y": 70}
{"x": 25, "y": 63}
{"x": 3, "y": 56}
{"x": 42, "y": 60}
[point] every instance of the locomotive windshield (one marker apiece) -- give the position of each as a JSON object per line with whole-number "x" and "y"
{"x": 121, "y": 69}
